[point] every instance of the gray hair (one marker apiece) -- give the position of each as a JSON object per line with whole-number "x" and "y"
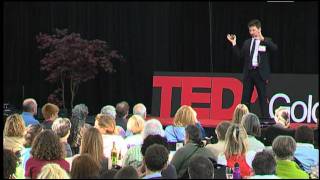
{"x": 79, "y": 115}
{"x": 140, "y": 109}
{"x": 109, "y": 110}
{"x": 152, "y": 127}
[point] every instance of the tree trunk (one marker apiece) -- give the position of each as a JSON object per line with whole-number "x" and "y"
{"x": 62, "y": 90}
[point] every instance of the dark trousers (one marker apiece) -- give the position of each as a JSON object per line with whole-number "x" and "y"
{"x": 254, "y": 79}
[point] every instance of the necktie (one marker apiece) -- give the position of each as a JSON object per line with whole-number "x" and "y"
{"x": 253, "y": 48}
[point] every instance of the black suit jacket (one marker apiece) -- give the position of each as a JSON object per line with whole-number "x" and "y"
{"x": 263, "y": 57}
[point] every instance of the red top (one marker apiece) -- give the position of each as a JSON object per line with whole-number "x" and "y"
{"x": 245, "y": 169}
{"x": 33, "y": 166}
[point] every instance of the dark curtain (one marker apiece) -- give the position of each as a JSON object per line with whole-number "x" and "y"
{"x": 152, "y": 36}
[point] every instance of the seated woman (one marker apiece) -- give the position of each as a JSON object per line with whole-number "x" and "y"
{"x": 107, "y": 127}
{"x": 185, "y": 116}
{"x": 239, "y": 112}
{"x": 236, "y": 150}
{"x": 251, "y": 124}
{"x": 282, "y": 127}
{"x": 135, "y": 125}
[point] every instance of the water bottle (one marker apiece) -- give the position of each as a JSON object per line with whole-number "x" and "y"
{"x": 236, "y": 171}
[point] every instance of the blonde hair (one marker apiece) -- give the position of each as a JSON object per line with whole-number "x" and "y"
{"x": 239, "y": 112}
{"x": 92, "y": 144}
{"x": 282, "y": 116}
{"x": 135, "y": 124}
{"x": 14, "y": 126}
{"x": 185, "y": 116}
{"x": 236, "y": 141}
{"x": 52, "y": 171}
{"x": 106, "y": 121}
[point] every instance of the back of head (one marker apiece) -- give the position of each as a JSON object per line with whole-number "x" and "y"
{"x": 140, "y": 109}
{"x": 284, "y": 147}
{"x": 236, "y": 140}
{"x": 185, "y": 116}
{"x": 10, "y": 161}
{"x": 264, "y": 163}
{"x": 14, "y": 126}
{"x": 304, "y": 134}
{"x": 152, "y": 127}
{"x": 122, "y": 109}
{"x": 61, "y": 126}
{"x": 127, "y": 172}
{"x": 106, "y": 122}
{"x": 47, "y": 146}
{"x": 282, "y": 116}
{"x": 156, "y": 157}
{"x": 29, "y": 105}
{"x": 92, "y": 144}
{"x": 83, "y": 167}
{"x": 251, "y": 124}
{"x": 32, "y": 131}
{"x": 200, "y": 167}
{"x": 135, "y": 124}
{"x": 109, "y": 110}
{"x": 193, "y": 134}
{"x": 49, "y": 110}
{"x": 221, "y": 130}
{"x": 79, "y": 115}
{"x": 153, "y": 139}
{"x": 52, "y": 171}
{"x": 239, "y": 112}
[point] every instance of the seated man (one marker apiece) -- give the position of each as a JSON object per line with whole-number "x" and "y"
{"x": 200, "y": 167}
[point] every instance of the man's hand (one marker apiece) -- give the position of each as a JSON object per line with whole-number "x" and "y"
{"x": 261, "y": 38}
{"x": 232, "y": 38}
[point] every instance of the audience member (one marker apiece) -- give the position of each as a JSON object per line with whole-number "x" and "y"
{"x": 32, "y": 131}
{"x": 200, "y": 167}
{"x": 45, "y": 149}
{"x": 155, "y": 160}
{"x": 106, "y": 126}
{"x": 236, "y": 150}
{"x": 92, "y": 144}
{"x": 127, "y": 172}
{"x": 141, "y": 110}
{"x": 282, "y": 119}
{"x": 84, "y": 167}
{"x": 193, "y": 146}
{"x": 111, "y": 111}
{"x": 284, "y": 148}
{"x": 239, "y": 112}
{"x": 13, "y": 133}
{"x": 53, "y": 171}
{"x": 264, "y": 166}
{"x": 29, "y": 108}
{"x": 219, "y": 147}
{"x": 79, "y": 116}
{"x": 62, "y": 126}
{"x": 10, "y": 161}
{"x": 122, "y": 111}
{"x": 135, "y": 125}
{"x": 133, "y": 157}
{"x": 50, "y": 113}
{"x": 251, "y": 124}
{"x": 305, "y": 152}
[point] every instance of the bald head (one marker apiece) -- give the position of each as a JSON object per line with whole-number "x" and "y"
{"x": 30, "y": 105}
{"x": 140, "y": 109}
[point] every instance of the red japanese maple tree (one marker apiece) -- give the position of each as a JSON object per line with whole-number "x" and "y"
{"x": 70, "y": 59}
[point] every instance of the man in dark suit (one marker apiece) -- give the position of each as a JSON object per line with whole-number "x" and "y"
{"x": 256, "y": 52}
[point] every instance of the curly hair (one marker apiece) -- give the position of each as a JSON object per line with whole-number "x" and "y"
{"x": 79, "y": 115}
{"x": 10, "y": 161}
{"x": 14, "y": 126}
{"x": 47, "y": 146}
{"x": 32, "y": 131}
